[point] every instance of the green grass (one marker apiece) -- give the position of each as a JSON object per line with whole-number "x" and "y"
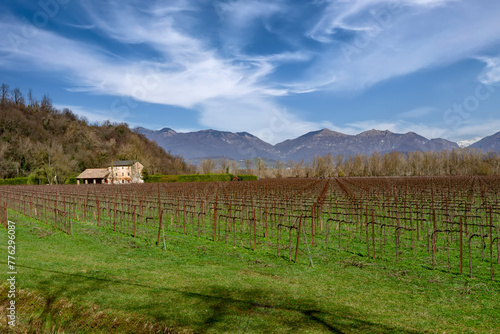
{"x": 196, "y": 285}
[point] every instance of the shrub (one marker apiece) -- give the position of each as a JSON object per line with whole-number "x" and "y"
{"x": 70, "y": 180}
{"x": 14, "y": 181}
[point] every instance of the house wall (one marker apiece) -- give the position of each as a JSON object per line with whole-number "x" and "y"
{"x": 137, "y": 173}
{"x": 126, "y": 174}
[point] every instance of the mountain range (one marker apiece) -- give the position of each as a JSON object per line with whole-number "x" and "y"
{"x": 212, "y": 144}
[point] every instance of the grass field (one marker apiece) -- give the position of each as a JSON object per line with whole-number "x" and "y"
{"x": 101, "y": 281}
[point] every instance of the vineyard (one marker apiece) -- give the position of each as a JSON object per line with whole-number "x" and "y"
{"x": 451, "y": 224}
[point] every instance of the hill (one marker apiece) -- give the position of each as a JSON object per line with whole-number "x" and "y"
{"x": 40, "y": 141}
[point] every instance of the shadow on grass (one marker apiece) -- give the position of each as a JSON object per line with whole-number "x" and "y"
{"x": 214, "y": 308}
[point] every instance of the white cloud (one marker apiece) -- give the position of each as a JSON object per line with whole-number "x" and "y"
{"x": 363, "y": 15}
{"x": 258, "y": 115}
{"x": 186, "y": 81}
{"x": 491, "y": 74}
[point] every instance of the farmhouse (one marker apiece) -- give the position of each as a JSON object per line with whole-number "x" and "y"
{"x": 122, "y": 171}
{"x": 125, "y": 171}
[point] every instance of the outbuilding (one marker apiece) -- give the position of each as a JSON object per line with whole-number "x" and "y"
{"x": 93, "y": 175}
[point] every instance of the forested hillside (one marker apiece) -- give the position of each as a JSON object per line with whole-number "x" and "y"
{"x": 39, "y": 141}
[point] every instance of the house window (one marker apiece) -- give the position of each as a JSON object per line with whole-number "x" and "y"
{"x": 128, "y": 173}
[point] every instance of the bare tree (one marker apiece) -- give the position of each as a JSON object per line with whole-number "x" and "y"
{"x": 248, "y": 166}
{"x": 261, "y": 166}
{"x": 46, "y": 104}
{"x": 279, "y": 168}
{"x": 18, "y": 97}
{"x": 234, "y": 167}
{"x": 224, "y": 164}
{"x": 298, "y": 168}
{"x": 32, "y": 102}
{"x": 207, "y": 166}
{"x": 5, "y": 91}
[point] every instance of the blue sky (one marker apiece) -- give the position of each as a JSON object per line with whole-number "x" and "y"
{"x": 276, "y": 69}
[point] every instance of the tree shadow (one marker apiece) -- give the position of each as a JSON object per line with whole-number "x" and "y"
{"x": 215, "y": 308}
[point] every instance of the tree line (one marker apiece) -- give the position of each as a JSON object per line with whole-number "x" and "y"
{"x": 455, "y": 162}
{"x": 50, "y": 145}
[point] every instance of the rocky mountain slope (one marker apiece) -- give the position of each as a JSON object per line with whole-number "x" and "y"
{"x": 242, "y": 145}
{"x": 488, "y": 144}
{"x": 212, "y": 144}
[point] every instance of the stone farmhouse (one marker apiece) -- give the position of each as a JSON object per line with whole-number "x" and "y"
{"x": 122, "y": 171}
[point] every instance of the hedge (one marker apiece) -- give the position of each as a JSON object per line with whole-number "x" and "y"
{"x": 205, "y": 177}
{"x": 197, "y": 178}
{"x": 14, "y": 181}
{"x": 161, "y": 178}
{"x": 248, "y": 177}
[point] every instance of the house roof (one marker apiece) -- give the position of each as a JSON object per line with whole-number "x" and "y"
{"x": 94, "y": 173}
{"x": 123, "y": 163}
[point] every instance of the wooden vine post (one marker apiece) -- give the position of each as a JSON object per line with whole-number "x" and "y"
{"x": 298, "y": 239}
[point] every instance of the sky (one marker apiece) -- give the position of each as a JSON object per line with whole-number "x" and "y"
{"x": 276, "y": 69}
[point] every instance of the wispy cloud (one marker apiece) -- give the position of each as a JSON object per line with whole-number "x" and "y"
{"x": 418, "y": 112}
{"x": 389, "y": 43}
{"x": 241, "y": 13}
{"x": 95, "y": 115}
{"x": 362, "y": 15}
{"x": 491, "y": 74}
{"x": 238, "y": 17}
{"x": 259, "y": 115}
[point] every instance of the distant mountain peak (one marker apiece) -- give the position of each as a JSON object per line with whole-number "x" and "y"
{"x": 206, "y": 144}
{"x": 324, "y": 132}
{"x": 468, "y": 142}
{"x": 245, "y": 134}
{"x": 166, "y": 130}
{"x": 374, "y": 132}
